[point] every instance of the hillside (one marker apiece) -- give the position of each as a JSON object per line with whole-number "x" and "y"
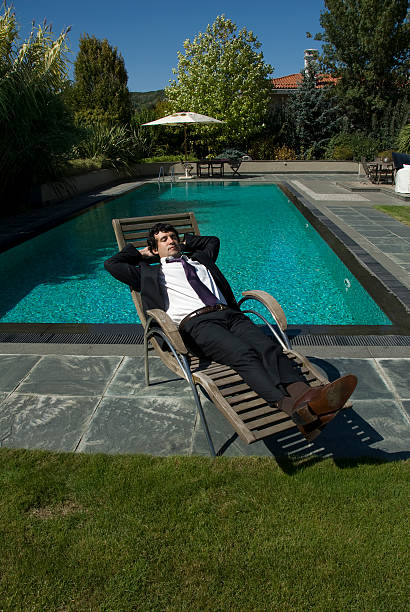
{"x": 146, "y": 99}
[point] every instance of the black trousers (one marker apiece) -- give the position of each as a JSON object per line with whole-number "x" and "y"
{"x": 230, "y": 337}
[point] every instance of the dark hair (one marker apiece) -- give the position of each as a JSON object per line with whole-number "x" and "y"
{"x": 159, "y": 227}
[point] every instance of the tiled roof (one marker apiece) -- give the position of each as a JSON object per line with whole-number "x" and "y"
{"x": 293, "y": 81}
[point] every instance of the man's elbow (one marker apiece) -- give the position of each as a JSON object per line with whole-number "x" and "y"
{"x": 107, "y": 265}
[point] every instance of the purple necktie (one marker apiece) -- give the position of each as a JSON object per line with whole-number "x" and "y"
{"x": 202, "y": 291}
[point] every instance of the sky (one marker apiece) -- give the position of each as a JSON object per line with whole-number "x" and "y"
{"x": 148, "y": 34}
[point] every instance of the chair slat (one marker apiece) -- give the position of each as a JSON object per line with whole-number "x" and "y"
{"x": 274, "y": 429}
{"x": 272, "y": 418}
{"x": 227, "y": 380}
{"x": 220, "y": 373}
{"x": 235, "y": 389}
{"x": 257, "y": 412}
{"x": 137, "y": 232}
{"x": 158, "y": 218}
{"x": 247, "y": 405}
{"x": 241, "y": 398}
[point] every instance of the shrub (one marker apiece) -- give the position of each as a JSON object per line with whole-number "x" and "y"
{"x": 263, "y": 148}
{"x": 342, "y": 152}
{"x": 284, "y": 152}
{"x": 231, "y": 154}
{"x": 403, "y": 140}
{"x": 386, "y": 155}
{"x": 360, "y": 144}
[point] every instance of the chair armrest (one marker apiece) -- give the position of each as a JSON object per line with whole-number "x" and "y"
{"x": 169, "y": 328}
{"x": 271, "y": 304}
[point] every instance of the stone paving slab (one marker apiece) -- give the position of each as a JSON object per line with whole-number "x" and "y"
{"x": 47, "y": 422}
{"x": 154, "y": 425}
{"x": 406, "y": 407}
{"x": 129, "y": 380}
{"x": 70, "y": 375}
{"x": 371, "y": 385}
{"x": 13, "y": 368}
{"x": 397, "y": 372}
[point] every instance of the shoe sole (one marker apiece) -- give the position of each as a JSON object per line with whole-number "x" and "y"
{"x": 334, "y": 396}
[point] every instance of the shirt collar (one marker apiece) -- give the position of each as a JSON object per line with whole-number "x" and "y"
{"x": 165, "y": 259}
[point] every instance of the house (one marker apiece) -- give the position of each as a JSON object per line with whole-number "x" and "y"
{"x": 284, "y": 86}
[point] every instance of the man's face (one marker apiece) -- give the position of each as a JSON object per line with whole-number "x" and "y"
{"x": 167, "y": 245}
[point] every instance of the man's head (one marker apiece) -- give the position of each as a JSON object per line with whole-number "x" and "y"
{"x": 163, "y": 240}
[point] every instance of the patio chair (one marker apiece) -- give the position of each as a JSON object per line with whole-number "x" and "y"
{"x": 250, "y": 416}
{"x": 235, "y": 164}
{"x": 385, "y": 170}
{"x": 203, "y": 166}
{"x": 370, "y": 170}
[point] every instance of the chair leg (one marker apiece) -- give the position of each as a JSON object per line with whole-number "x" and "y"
{"x": 199, "y": 407}
{"x": 146, "y": 364}
{"x": 184, "y": 365}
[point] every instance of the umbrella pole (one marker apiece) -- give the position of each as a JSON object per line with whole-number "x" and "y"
{"x": 186, "y": 164}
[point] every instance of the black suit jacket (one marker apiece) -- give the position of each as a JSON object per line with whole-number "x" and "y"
{"x": 129, "y": 267}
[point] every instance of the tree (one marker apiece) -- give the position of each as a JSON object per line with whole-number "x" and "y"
{"x": 366, "y": 45}
{"x": 100, "y": 93}
{"x": 313, "y": 115}
{"x": 222, "y": 74}
{"x": 36, "y": 129}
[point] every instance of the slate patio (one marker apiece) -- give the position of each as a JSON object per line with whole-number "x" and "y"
{"x": 90, "y": 404}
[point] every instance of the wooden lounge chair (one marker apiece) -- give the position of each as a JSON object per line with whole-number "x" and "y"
{"x": 250, "y": 416}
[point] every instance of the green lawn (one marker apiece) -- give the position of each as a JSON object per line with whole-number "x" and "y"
{"x": 401, "y": 213}
{"x": 98, "y": 532}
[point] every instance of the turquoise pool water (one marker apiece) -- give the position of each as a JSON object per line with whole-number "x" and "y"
{"x": 266, "y": 243}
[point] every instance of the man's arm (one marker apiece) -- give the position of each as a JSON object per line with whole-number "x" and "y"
{"x": 207, "y": 244}
{"x": 125, "y": 265}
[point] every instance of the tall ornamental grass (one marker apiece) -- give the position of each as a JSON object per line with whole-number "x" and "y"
{"x": 36, "y": 129}
{"x": 113, "y": 146}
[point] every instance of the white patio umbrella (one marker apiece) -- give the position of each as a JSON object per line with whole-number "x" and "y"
{"x": 184, "y": 119}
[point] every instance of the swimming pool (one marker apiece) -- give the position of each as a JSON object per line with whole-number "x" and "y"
{"x": 266, "y": 243}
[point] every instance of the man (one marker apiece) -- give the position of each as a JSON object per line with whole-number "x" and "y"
{"x": 189, "y": 286}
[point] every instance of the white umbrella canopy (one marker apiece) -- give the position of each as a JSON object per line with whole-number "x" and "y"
{"x": 184, "y": 118}
{"x": 181, "y": 118}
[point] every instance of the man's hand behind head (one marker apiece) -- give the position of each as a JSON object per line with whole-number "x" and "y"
{"x": 148, "y": 254}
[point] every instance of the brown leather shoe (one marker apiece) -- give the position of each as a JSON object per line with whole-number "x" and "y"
{"x": 315, "y": 408}
{"x": 323, "y": 400}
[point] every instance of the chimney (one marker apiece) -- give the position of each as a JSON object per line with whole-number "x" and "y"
{"x": 309, "y": 56}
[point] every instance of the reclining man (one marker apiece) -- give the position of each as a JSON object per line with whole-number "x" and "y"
{"x": 189, "y": 286}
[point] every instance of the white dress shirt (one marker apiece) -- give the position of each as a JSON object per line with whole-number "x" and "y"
{"x": 180, "y": 297}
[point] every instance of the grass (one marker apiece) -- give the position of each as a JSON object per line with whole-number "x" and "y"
{"x": 99, "y": 532}
{"x": 401, "y": 213}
